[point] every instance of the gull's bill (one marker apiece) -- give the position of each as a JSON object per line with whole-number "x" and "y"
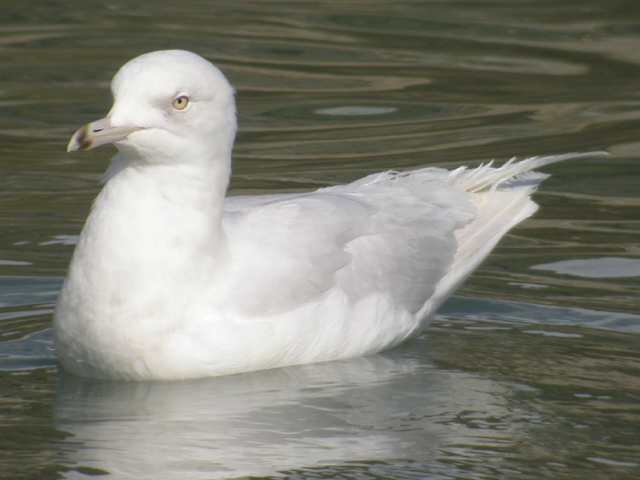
{"x": 98, "y": 133}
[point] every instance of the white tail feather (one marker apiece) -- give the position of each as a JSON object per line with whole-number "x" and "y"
{"x": 502, "y": 196}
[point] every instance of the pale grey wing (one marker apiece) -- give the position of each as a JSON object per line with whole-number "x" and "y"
{"x": 392, "y": 235}
{"x": 286, "y": 252}
{"x": 411, "y": 242}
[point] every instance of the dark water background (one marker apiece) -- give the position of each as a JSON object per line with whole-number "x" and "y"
{"x": 531, "y": 371}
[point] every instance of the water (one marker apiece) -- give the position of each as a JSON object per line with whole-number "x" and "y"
{"x": 531, "y": 371}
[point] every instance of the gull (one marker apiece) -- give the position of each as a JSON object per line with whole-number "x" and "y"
{"x": 171, "y": 279}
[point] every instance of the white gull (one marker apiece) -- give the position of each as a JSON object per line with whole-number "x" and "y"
{"x": 171, "y": 280}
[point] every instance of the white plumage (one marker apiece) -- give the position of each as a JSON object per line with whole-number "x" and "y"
{"x": 171, "y": 280}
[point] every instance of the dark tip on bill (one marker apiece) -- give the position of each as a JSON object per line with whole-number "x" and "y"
{"x": 80, "y": 140}
{"x": 83, "y": 141}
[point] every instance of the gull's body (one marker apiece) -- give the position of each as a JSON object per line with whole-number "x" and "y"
{"x": 171, "y": 280}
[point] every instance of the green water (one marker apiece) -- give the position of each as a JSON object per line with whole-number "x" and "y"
{"x": 531, "y": 371}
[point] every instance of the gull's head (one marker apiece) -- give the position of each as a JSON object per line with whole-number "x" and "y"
{"x": 167, "y": 105}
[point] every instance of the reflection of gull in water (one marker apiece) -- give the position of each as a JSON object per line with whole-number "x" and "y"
{"x": 379, "y": 408}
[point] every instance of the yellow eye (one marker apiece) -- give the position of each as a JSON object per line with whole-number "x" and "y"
{"x": 181, "y": 102}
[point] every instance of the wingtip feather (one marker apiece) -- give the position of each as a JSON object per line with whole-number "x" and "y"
{"x": 487, "y": 177}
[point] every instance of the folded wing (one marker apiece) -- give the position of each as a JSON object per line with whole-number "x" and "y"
{"x": 387, "y": 234}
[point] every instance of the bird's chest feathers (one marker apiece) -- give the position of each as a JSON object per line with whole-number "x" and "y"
{"x": 140, "y": 250}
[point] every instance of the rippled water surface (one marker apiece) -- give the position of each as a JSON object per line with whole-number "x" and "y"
{"x": 531, "y": 371}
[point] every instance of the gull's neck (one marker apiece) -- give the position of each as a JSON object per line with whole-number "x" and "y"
{"x": 189, "y": 189}
{"x": 159, "y": 190}
{"x": 198, "y": 182}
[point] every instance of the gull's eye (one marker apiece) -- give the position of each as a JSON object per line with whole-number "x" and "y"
{"x": 180, "y": 102}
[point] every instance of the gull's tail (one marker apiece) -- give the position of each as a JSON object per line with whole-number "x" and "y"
{"x": 502, "y": 197}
